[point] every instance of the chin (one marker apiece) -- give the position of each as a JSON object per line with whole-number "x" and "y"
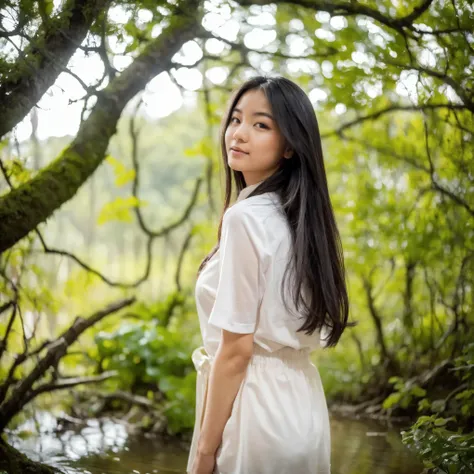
{"x": 236, "y": 165}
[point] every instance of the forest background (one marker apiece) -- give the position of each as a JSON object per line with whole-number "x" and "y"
{"x": 111, "y": 190}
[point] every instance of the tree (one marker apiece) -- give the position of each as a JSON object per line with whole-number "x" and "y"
{"x": 32, "y": 203}
{"x": 45, "y": 56}
{"x": 393, "y": 89}
{"x": 406, "y": 39}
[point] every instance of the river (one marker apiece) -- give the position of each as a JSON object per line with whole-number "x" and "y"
{"x": 105, "y": 447}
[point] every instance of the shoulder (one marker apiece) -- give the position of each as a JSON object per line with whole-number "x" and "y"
{"x": 257, "y": 223}
{"x": 259, "y": 217}
{"x": 250, "y": 217}
{"x": 242, "y": 215}
{"x": 256, "y": 208}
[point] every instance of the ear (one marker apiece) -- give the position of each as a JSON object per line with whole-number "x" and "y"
{"x": 288, "y": 153}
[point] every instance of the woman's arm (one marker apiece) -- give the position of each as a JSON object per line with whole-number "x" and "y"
{"x": 227, "y": 373}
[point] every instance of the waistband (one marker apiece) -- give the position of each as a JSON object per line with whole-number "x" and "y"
{"x": 286, "y": 355}
{"x": 260, "y": 357}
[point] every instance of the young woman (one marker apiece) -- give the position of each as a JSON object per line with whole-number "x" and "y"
{"x": 266, "y": 292}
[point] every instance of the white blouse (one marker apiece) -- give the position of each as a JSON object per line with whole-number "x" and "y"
{"x": 239, "y": 288}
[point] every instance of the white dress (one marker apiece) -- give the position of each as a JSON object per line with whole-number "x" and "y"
{"x": 279, "y": 422}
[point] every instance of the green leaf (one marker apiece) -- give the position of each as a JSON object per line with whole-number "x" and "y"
{"x": 204, "y": 147}
{"x": 123, "y": 175}
{"x": 119, "y": 209}
{"x": 418, "y": 391}
{"x": 48, "y": 6}
{"x": 391, "y": 400}
{"x": 438, "y": 406}
{"x": 440, "y": 422}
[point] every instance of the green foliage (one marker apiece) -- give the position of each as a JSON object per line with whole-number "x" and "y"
{"x": 17, "y": 170}
{"x": 148, "y": 357}
{"x": 442, "y": 450}
{"x": 123, "y": 175}
{"x": 180, "y": 413}
{"x": 203, "y": 148}
{"x": 464, "y": 368}
{"x": 119, "y": 209}
{"x": 438, "y": 437}
{"x": 403, "y": 395}
{"x": 401, "y": 184}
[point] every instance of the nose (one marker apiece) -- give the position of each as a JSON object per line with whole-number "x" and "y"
{"x": 240, "y": 132}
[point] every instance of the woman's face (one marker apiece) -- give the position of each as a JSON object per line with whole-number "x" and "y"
{"x": 252, "y": 130}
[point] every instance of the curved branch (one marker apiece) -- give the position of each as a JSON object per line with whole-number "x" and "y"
{"x": 386, "y": 355}
{"x": 442, "y": 76}
{"x": 5, "y": 306}
{"x": 18, "y": 361}
{"x": 390, "y": 109}
{"x": 32, "y": 203}
{"x": 69, "y": 382}
{"x": 23, "y": 19}
{"x": 204, "y": 34}
{"x": 3, "y": 342}
{"x": 56, "y": 350}
{"x": 152, "y": 235}
{"x": 182, "y": 252}
{"x": 352, "y": 8}
{"x": 415, "y": 14}
{"x": 136, "y": 182}
{"x": 427, "y": 169}
{"x": 44, "y": 59}
{"x": 387, "y": 151}
{"x": 454, "y": 197}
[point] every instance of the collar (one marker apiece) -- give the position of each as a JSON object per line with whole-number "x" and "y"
{"x": 247, "y": 190}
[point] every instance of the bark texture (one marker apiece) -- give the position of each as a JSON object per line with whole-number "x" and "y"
{"x": 24, "y": 392}
{"x": 24, "y": 208}
{"x": 14, "y": 462}
{"x": 45, "y": 58}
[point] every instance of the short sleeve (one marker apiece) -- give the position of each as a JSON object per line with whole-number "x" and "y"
{"x": 242, "y": 248}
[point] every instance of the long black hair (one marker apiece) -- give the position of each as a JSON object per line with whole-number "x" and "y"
{"x": 319, "y": 290}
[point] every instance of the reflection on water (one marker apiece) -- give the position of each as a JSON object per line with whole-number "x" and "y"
{"x": 358, "y": 447}
{"x": 365, "y": 447}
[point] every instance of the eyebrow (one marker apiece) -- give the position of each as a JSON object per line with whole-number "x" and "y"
{"x": 265, "y": 114}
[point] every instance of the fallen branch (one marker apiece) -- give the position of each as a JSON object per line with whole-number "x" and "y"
{"x": 128, "y": 397}
{"x": 57, "y": 349}
{"x": 68, "y": 383}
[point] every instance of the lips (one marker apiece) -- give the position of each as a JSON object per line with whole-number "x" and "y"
{"x": 236, "y": 148}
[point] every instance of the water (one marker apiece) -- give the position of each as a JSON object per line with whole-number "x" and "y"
{"x": 358, "y": 447}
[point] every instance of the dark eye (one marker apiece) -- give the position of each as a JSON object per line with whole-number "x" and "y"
{"x": 262, "y": 124}
{"x": 232, "y": 119}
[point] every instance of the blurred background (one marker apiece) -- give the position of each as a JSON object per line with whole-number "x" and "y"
{"x": 111, "y": 191}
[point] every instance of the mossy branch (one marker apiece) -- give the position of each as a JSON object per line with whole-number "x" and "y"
{"x": 22, "y": 393}
{"x": 32, "y": 203}
{"x": 48, "y": 53}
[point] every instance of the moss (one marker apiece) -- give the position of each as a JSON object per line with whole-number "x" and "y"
{"x": 34, "y": 202}
{"x": 27, "y": 206}
{"x": 14, "y": 462}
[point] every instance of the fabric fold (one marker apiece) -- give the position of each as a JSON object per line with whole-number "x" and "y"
{"x": 202, "y": 363}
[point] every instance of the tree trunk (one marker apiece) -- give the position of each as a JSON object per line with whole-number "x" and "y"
{"x": 14, "y": 462}
{"x": 32, "y": 203}
{"x": 44, "y": 59}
